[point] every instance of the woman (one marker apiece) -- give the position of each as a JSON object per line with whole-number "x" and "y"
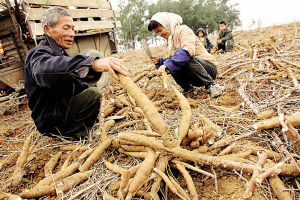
{"x": 201, "y": 33}
{"x": 189, "y": 63}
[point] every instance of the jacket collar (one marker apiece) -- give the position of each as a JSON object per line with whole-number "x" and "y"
{"x": 58, "y": 50}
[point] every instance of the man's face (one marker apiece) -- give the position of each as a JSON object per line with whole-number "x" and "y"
{"x": 63, "y": 32}
{"x": 223, "y": 27}
{"x": 162, "y": 32}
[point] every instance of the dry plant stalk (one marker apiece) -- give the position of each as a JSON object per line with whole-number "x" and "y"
{"x": 274, "y": 122}
{"x": 73, "y": 147}
{"x": 292, "y": 76}
{"x": 283, "y": 148}
{"x": 95, "y": 156}
{"x": 251, "y": 185}
{"x": 274, "y": 63}
{"x": 186, "y": 115}
{"x": 279, "y": 188}
{"x": 143, "y": 102}
{"x": 51, "y": 164}
{"x": 269, "y": 172}
{"x": 230, "y": 109}
{"x": 246, "y": 99}
{"x": 290, "y": 131}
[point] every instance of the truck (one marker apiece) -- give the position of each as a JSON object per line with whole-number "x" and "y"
{"x": 21, "y": 30}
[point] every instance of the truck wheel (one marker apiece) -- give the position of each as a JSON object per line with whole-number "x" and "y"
{"x": 105, "y": 76}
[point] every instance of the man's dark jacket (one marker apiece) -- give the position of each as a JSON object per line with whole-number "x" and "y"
{"x": 225, "y": 35}
{"x": 227, "y": 38}
{"x": 51, "y": 81}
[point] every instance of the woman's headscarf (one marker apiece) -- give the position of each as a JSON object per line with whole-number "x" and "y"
{"x": 168, "y": 21}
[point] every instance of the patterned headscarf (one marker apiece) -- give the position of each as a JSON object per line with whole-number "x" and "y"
{"x": 168, "y": 21}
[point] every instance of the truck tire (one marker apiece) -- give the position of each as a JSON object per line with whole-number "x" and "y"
{"x": 105, "y": 76}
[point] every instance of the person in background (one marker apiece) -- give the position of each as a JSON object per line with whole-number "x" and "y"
{"x": 188, "y": 61}
{"x": 201, "y": 33}
{"x": 60, "y": 102}
{"x": 225, "y": 41}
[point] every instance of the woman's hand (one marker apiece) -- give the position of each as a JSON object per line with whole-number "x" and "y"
{"x": 155, "y": 60}
{"x": 162, "y": 69}
{"x": 111, "y": 65}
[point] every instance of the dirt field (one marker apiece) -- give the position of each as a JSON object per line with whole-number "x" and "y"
{"x": 261, "y": 73}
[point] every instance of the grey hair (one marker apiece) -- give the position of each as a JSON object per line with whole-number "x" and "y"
{"x": 51, "y": 15}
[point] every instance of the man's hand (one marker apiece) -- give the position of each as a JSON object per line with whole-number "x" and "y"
{"x": 111, "y": 65}
{"x": 220, "y": 41}
{"x": 154, "y": 60}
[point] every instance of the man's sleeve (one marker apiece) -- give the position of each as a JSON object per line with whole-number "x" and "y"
{"x": 228, "y": 36}
{"x": 160, "y": 62}
{"x": 180, "y": 58}
{"x": 49, "y": 70}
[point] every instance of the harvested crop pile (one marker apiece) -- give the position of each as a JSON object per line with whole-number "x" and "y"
{"x": 155, "y": 143}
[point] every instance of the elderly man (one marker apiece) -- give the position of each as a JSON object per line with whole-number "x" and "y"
{"x": 61, "y": 103}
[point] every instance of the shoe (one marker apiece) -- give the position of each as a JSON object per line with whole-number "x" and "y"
{"x": 188, "y": 90}
{"x": 216, "y": 90}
